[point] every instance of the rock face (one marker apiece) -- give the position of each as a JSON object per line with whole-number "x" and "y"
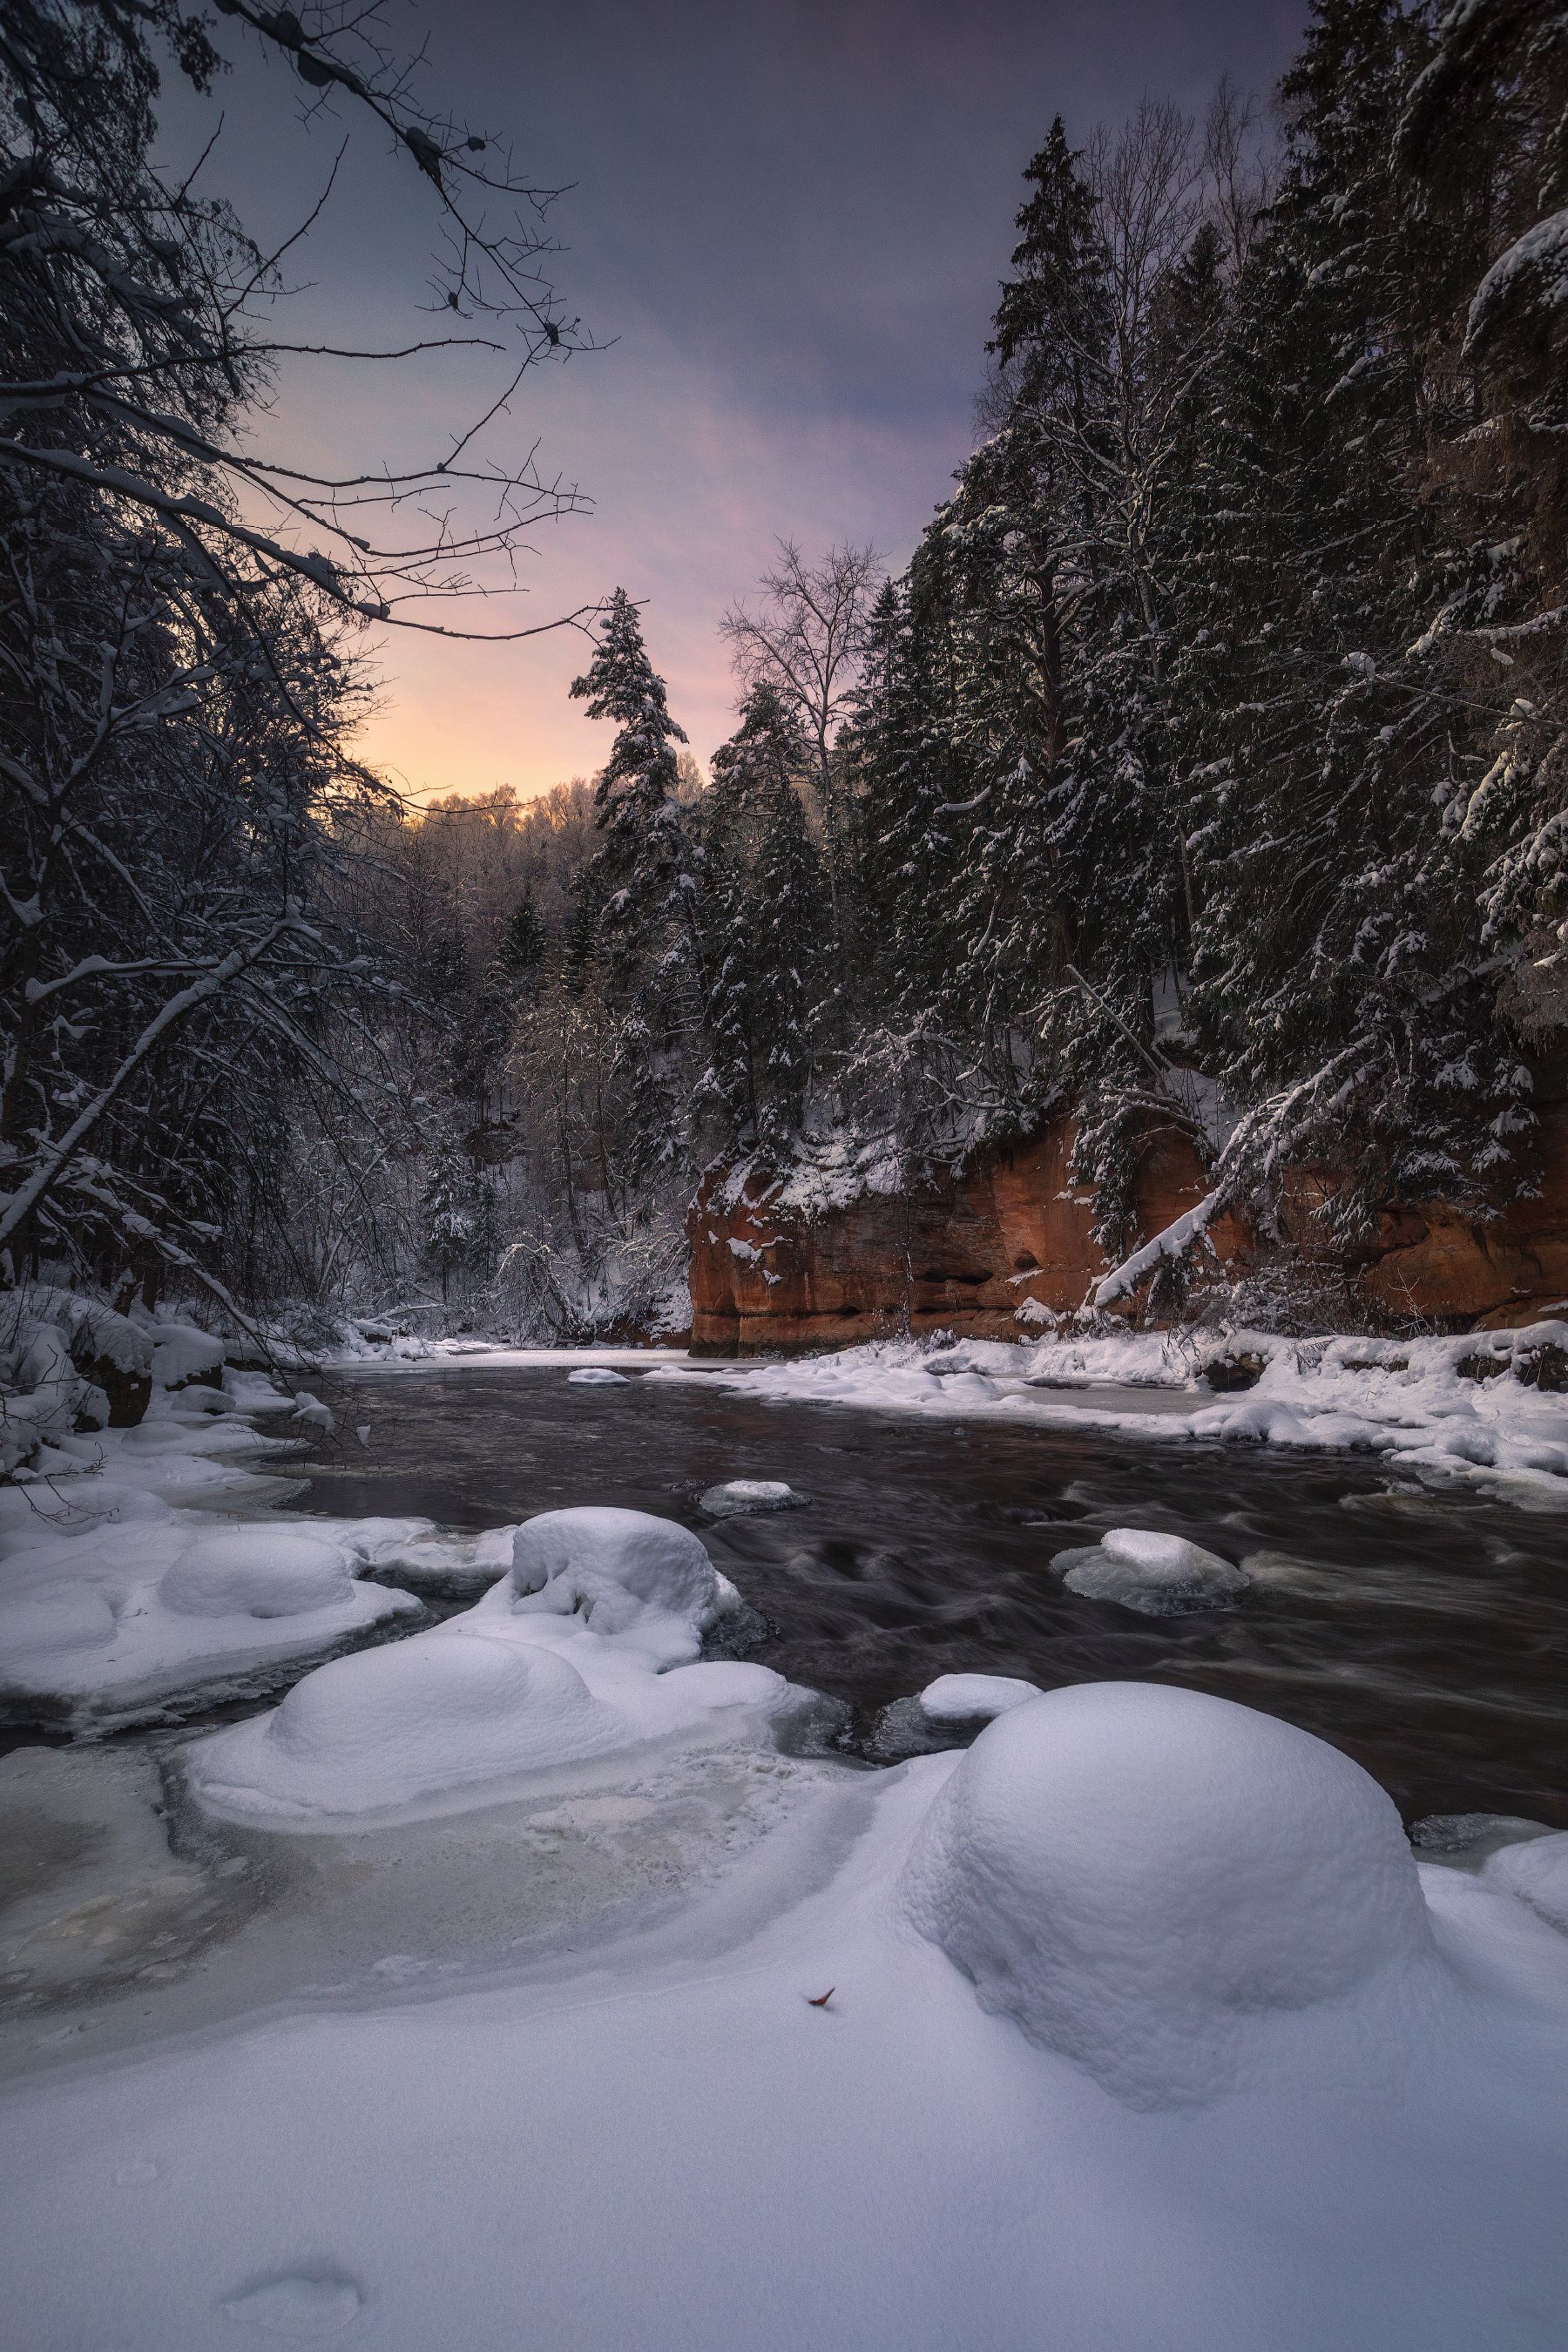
{"x": 962, "y": 1255}
{"x": 965, "y": 1253}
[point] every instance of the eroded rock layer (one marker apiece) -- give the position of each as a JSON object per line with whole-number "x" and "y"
{"x": 965, "y": 1254}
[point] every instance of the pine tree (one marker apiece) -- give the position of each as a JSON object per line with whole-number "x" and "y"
{"x": 525, "y": 947}
{"x": 457, "y": 1213}
{"x": 1337, "y": 937}
{"x": 647, "y": 873}
{"x": 766, "y": 923}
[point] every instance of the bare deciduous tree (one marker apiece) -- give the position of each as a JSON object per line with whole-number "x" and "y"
{"x": 178, "y": 677}
{"x": 806, "y": 641}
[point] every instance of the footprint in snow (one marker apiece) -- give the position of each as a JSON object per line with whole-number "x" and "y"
{"x": 302, "y": 2305}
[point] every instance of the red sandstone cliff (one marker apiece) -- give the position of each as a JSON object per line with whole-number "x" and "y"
{"x": 963, "y": 1254}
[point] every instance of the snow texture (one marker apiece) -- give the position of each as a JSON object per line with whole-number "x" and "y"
{"x": 1144, "y": 1879}
{"x": 619, "y": 1570}
{"x": 1158, "y": 1575}
{"x": 1210, "y": 2075}
{"x": 596, "y": 1376}
{"x": 1536, "y": 1870}
{"x": 119, "y": 1605}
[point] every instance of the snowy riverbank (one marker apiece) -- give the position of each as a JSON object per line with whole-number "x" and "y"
{"x": 1472, "y": 1407}
{"x": 1139, "y": 2019}
{"x": 520, "y": 1972}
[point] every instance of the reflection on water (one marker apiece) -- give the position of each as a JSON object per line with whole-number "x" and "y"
{"x": 1422, "y": 1630}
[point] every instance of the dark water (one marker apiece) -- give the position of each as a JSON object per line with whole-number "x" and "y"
{"x": 1421, "y": 1629}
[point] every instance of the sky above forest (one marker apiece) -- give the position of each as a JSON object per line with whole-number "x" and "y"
{"x": 787, "y": 223}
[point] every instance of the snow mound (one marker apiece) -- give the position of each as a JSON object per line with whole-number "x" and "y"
{"x": 1158, "y": 1575}
{"x": 261, "y": 1574}
{"x": 598, "y": 1376}
{"x": 738, "y": 1494}
{"x": 386, "y": 1727}
{"x": 966, "y": 1698}
{"x": 1537, "y": 1872}
{"x": 617, "y": 1570}
{"x": 300, "y": 2305}
{"x": 1145, "y": 1879}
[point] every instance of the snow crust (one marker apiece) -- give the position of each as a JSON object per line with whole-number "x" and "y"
{"x": 1158, "y": 1575}
{"x": 1409, "y": 1402}
{"x": 1363, "y": 2143}
{"x": 1144, "y": 1878}
{"x": 1139, "y": 2015}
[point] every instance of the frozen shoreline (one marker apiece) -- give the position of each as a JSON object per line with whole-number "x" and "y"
{"x": 1405, "y": 1402}
{"x": 653, "y": 2135}
{"x": 512, "y": 1974}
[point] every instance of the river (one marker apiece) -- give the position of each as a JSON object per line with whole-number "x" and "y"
{"x": 1420, "y": 1628}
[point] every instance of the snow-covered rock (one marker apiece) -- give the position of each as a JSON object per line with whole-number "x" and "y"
{"x": 587, "y": 1646}
{"x": 973, "y": 1698}
{"x": 259, "y": 1573}
{"x": 736, "y": 1496}
{"x": 1145, "y": 1879}
{"x": 1158, "y": 1575}
{"x": 183, "y": 1354}
{"x": 596, "y": 1376}
{"x": 119, "y": 1605}
{"x": 138, "y": 1621}
{"x": 619, "y": 1569}
{"x": 388, "y": 1726}
{"x": 1416, "y": 1405}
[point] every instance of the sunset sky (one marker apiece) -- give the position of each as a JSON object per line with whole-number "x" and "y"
{"x": 791, "y": 220}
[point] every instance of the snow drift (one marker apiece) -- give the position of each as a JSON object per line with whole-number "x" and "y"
{"x": 1144, "y": 1879}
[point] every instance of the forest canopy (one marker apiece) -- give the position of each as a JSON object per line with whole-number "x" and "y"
{"x": 1202, "y": 773}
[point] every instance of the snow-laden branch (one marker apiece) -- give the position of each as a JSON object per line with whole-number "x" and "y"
{"x": 54, "y": 1157}
{"x": 1168, "y": 1247}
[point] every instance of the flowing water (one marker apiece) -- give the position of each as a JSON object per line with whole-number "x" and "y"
{"x": 1420, "y": 1628}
